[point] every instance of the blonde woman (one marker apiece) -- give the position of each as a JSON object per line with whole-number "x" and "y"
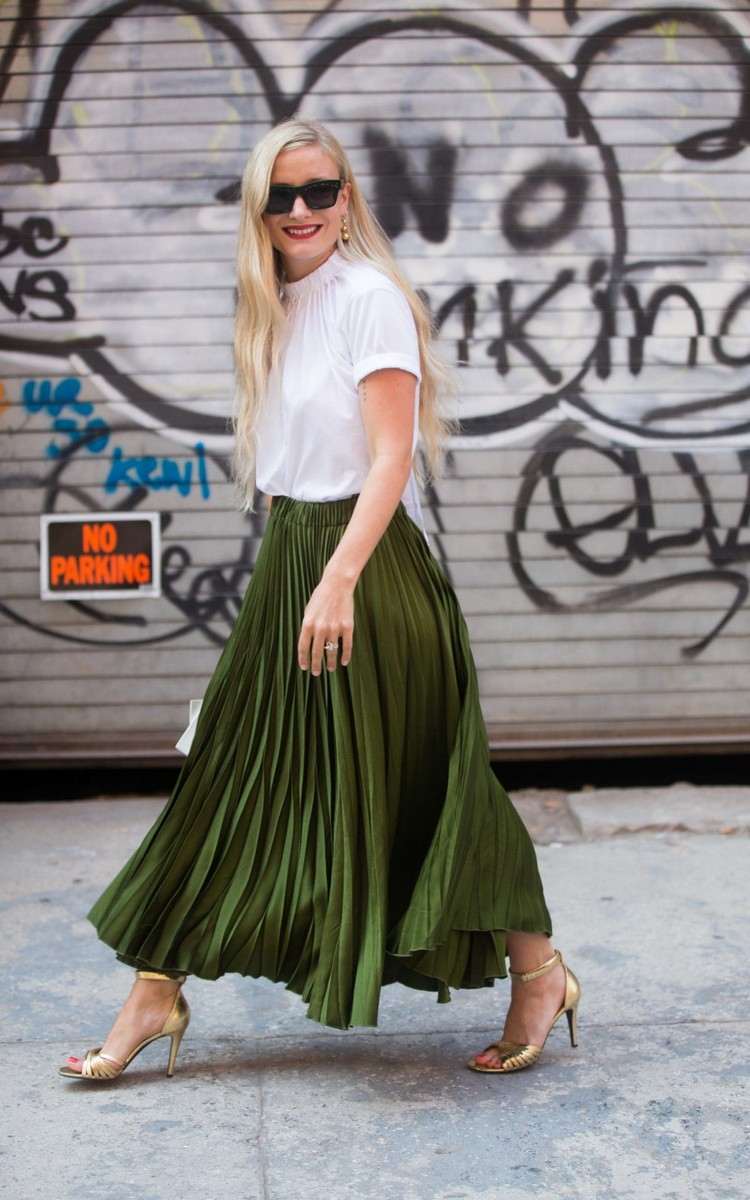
{"x": 336, "y": 823}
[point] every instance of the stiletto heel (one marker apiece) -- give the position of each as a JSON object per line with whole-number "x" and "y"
{"x": 514, "y": 1056}
{"x": 174, "y": 1046}
{"x": 572, "y": 1024}
{"x": 96, "y": 1065}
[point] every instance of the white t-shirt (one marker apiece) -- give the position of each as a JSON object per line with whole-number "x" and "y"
{"x": 344, "y": 320}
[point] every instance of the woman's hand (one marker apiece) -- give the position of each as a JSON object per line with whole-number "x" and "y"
{"x": 329, "y": 615}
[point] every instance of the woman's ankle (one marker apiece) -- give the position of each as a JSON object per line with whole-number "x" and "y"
{"x": 527, "y": 951}
{"x": 146, "y": 993}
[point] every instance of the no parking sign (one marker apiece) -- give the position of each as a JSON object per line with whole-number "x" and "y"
{"x": 109, "y": 555}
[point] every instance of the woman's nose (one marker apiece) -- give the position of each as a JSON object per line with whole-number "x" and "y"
{"x": 299, "y": 209}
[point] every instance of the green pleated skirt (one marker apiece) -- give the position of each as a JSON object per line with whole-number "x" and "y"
{"x": 343, "y": 831}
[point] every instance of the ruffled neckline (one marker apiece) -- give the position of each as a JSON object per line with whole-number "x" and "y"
{"x": 295, "y": 289}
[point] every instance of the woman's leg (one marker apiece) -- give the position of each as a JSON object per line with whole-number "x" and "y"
{"x": 533, "y": 1002}
{"x": 143, "y": 1013}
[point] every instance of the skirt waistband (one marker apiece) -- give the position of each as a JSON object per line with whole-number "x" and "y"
{"x": 314, "y": 512}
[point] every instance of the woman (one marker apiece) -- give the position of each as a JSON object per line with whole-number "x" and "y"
{"x": 336, "y": 823}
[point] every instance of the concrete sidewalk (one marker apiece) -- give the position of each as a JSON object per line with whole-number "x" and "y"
{"x": 648, "y": 892}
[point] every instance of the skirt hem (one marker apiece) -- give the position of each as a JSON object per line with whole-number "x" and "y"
{"x": 432, "y": 982}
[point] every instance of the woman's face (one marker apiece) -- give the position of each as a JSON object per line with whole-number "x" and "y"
{"x": 305, "y": 237}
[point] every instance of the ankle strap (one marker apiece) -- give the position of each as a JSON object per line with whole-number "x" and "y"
{"x": 547, "y": 965}
{"x": 160, "y": 975}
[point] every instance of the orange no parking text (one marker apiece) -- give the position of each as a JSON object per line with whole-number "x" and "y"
{"x": 99, "y": 562}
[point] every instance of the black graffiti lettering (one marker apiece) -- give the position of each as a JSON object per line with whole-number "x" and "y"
{"x": 636, "y": 520}
{"x": 212, "y": 596}
{"x": 645, "y": 319}
{"x": 603, "y": 300}
{"x": 717, "y": 349}
{"x": 10, "y": 237}
{"x": 13, "y": 301}
{"x": 56, "y": 294}
{"x": 396, "y": 190}
{"x": 513, "y": 327}
{"x": 36, "y": 230}
{"x": 28, "y": 237}
{"x": 465, "y": 300}
{"x": 564, "y": 177}
{"x": 49, "y": 286}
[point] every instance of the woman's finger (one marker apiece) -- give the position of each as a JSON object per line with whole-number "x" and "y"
{"x": 333, "y": 653}
{"x": 347, "y": 636}
{"x": 316, "y": 656}
{"x": 303, "y": 645}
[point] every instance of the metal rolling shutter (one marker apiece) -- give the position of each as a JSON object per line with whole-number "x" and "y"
{"x": 569, "y": 187}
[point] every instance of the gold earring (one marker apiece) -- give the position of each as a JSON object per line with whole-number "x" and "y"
{"x": 344, "y": 230}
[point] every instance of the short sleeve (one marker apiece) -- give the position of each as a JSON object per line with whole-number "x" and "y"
{"x": 379, "y": 330}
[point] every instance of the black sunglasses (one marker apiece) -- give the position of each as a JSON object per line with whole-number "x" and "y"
{"x": 322, "y": 193}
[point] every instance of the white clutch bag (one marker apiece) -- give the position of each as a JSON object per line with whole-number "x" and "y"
{"x": 186, "y": 737}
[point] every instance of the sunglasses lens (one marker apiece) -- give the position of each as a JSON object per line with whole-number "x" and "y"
{"x": 321, "y": 195}
{"x": 280, "y": 199}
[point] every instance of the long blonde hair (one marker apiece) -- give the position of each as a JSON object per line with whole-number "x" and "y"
{"x": 260, "y": 314}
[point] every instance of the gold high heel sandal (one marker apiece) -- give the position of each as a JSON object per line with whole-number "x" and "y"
{"x": 96, "y": 1065}
{"x": 514, "y": 1056}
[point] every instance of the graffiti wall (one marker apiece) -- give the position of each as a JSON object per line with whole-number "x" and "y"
{"x": 569, "y": 187}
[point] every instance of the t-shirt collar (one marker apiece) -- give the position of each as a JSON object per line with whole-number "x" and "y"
{"x": 314, "y": 279}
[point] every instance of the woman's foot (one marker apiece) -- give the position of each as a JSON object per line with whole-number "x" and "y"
{"x": 143, "y": 1013}
{"x": 533, "y": 1002}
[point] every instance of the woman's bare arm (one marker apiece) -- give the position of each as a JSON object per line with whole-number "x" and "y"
{"x": 387, "y": 405}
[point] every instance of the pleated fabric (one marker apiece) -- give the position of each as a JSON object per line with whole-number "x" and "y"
{"x": 337, "y": 832}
